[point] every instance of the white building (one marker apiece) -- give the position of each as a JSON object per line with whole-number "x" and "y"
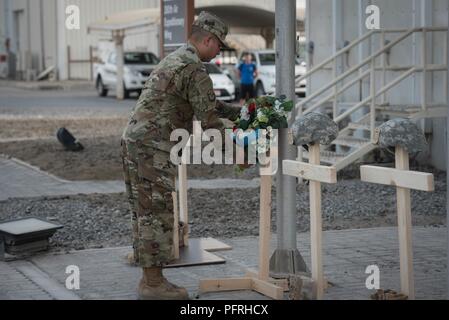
{"x": 40, "y": 38}
{"x": 332, "y": 25}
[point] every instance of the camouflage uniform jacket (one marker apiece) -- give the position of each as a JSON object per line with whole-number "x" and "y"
{"x": 177, "y": 90}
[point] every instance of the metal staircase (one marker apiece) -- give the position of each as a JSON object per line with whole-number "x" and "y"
{"x": 357, "y": 137}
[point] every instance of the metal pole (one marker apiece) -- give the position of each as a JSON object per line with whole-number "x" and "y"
{"x": 447, "y": 160}
{"x": 286, "y": 259}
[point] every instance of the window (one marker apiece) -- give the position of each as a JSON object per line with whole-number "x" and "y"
{"x": 267, "y": 59}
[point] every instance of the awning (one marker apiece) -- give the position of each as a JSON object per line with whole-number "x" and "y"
{"x": 129, "y": 20}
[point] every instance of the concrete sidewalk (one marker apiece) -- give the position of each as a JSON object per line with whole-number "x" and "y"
{"x": 21, "y": 180}
{"x": 67, "y": 85}
{"x": 105, "y": 274}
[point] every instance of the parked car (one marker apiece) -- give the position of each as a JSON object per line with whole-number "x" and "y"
{"x": 226, "y": 61}
{"x": 265, "y": 61}
{"x": 137, "y": 69}
{"x": 224, "y": 88}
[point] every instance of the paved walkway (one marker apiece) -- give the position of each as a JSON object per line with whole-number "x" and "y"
{"x": 20, "y": 180}
{"x": 104, "y": 273}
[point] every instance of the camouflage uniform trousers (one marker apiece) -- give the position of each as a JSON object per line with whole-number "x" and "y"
{"x": 149, "y": 178}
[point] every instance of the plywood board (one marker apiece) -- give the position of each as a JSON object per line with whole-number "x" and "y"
{"x": 398, "y": 177}
{"x": 309, "y": 171}
{"x": 195, "y": 254}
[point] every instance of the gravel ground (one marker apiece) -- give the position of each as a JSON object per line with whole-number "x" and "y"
{"x": 93, "y": 221}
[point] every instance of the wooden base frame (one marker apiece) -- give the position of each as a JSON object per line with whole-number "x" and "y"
{"x": 260, "y": 281}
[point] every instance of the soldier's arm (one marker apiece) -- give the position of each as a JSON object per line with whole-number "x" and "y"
{"x": 228, "y": 110}
{"x": 202, "y": 99}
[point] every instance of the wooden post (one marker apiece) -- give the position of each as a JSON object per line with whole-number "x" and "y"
{"x": 405, "y": 228}
{"x": 119, "y": 61}
{"x": 175, "y": 226}
{"x": 69, "y": 60}
{"x": 316, "y": 174}
{"x": 316, "y": 225}
{"x": 260, "y": 282}
{"x": 264, "y": 227}
{"x": 182, "y": 173}
{"x": 403, "y": 180}
{"x": 91, "y": 62}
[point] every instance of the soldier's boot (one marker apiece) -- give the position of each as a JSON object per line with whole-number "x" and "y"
{"x": 154, "y": 286}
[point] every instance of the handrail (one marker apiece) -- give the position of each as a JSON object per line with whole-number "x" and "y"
{"x": 368, "y": 99}
{"x": 330, "y": 96}
{"x": 374, "y": 92}
{"x": 355, "y": 68}
{"x": 337, "y": 54}
{"x": 360, "y": 39}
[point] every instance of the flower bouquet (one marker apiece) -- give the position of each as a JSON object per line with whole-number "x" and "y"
{"x": 260, "y": 116}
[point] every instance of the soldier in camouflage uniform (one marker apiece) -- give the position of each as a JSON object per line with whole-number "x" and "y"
{"x": 177, "y": 90}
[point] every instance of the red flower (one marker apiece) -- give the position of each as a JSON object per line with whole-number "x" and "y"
{"x": 252, "y": 107}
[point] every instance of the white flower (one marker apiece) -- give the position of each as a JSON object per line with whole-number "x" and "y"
{"x": 261, "y": 149}
{"x": 244, "y": 114}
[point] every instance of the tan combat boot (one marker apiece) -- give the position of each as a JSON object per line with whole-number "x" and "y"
{"x": 154, "y": 286}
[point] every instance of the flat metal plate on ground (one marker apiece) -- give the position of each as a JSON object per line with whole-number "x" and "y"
{"x": 29, "y": 225}
{"x": 198, "y": 253}
{"x": 27, "y": 235}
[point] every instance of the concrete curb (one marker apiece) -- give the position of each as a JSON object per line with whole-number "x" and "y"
{"x": 47, "y": 85}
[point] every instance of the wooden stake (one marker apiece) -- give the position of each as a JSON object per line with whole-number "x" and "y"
{"x": 264, "y": 227}
{"x": 405, "y": 228}
{"x": 259, "y": 282}
{"x": 175, "y": 226}
{"x": 316, "y": 225}
{"x": 182, "y": 188}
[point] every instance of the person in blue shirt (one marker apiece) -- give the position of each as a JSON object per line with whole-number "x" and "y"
{"x": 247, "y": 73}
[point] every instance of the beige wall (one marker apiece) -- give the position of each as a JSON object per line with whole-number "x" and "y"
{"x": 79, "y": 40}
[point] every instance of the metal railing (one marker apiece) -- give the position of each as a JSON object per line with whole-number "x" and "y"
{"x": 339, "y": 87}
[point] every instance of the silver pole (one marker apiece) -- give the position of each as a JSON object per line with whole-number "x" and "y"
{"x": 447, "y": 162}
{"x": 286, "y": 259}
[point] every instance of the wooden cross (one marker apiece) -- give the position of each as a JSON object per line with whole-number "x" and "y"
{"x": 256, "y": 281}
{"x": 404, "y": 180}
{"x": 316, "y": 173}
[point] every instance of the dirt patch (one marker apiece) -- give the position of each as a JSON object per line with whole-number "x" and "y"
{"x": 33, "y": 128}
{"x": 100, "y": 160}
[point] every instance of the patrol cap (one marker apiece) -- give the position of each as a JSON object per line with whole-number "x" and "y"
{"x": 214, "y": 25}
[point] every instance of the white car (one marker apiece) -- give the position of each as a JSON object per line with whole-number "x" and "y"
{"x": 137, "y": 69}
{"x": 223, "y": 86}
{"x": 265, "y": 61}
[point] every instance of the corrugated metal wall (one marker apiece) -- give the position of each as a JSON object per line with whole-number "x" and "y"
{"x": 91, "y": 11}
{"x": 393, "y": 14}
